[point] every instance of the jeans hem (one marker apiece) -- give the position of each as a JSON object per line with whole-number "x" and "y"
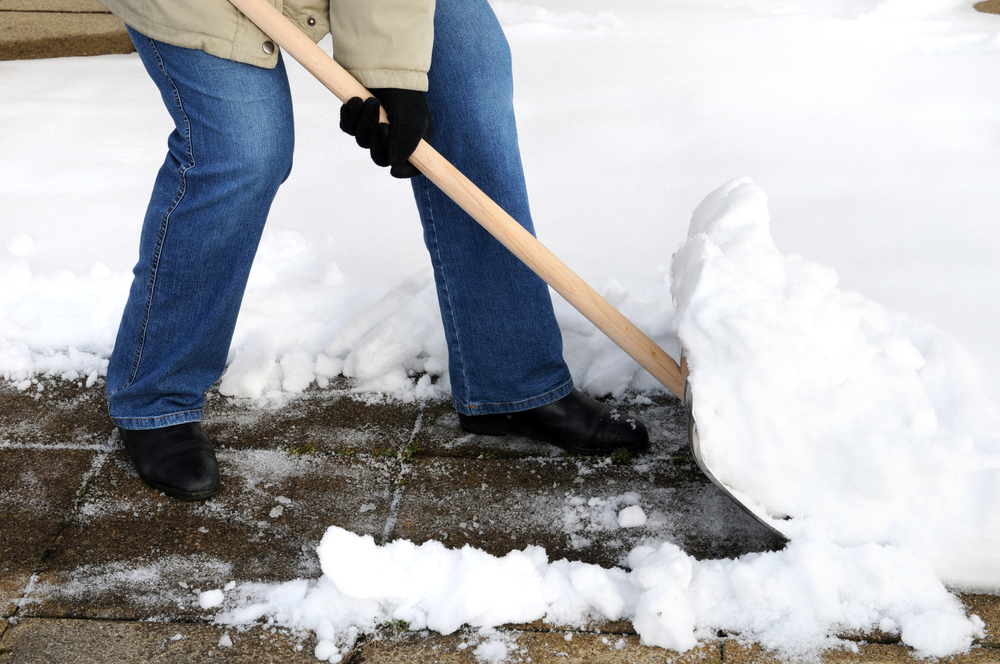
{"x": 158, "y": 421}
{"x": 492, "y": 408}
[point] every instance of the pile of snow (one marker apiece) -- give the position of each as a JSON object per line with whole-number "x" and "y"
{"x": 815, "y": 402}
{"x": 791, "y": 600}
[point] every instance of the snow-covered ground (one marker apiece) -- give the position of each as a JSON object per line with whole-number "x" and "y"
{"x": 871, "y": 125}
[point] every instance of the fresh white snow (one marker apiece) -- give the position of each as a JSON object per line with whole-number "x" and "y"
{"x": 864, "y": 372}
{"x": 632, "y": 517}
{"x": 211, "y": 599}
{"x": 791, "y": 601}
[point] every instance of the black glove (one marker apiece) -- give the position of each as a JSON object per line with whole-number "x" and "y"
{"x": 390, "y": 144}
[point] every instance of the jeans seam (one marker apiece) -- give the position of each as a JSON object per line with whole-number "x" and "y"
{"x": 443, "y": 286}
{"x": 165, "y": 220}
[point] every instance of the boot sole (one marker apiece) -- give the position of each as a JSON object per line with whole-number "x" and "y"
{"x": 495, "y": 427}
{"x": 180, "y": 494}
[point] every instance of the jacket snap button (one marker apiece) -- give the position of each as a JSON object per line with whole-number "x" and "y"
{"x": 311, "y": 21}
{"x": 268, "y": 47}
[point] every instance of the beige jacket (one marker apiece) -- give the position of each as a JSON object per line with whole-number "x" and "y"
{"x": 383, "y": 43}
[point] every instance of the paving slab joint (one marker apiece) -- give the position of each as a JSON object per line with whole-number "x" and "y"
{"x": 721, "y": 656}
{"x": 621, "y": 627}
{"x": 405, "y": 466}
{"x": 876, "y": 636}
{"x": 88, "y": 483}
{"x": 366, "y": 641}
{"x": 88, "y": 480}
{"x": 43, "y": 557}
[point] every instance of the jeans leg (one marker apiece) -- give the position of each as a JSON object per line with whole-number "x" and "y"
{"x": 230, "y": 150}
{"x": 504, "y": 346}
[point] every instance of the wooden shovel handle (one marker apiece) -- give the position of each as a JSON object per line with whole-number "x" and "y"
{"x": 477, "y": 204}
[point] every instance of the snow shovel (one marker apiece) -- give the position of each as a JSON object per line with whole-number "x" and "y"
{"x": 501, "y": 226}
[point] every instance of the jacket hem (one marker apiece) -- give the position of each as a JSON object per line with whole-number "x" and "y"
{"x": 403, "y": 79}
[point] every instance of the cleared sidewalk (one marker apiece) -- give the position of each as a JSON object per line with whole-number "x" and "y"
{"x": 31, "y": 29}
{"x": 96, "y": 567}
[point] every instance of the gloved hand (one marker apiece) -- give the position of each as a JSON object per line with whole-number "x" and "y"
{"x": 390, "y": 144}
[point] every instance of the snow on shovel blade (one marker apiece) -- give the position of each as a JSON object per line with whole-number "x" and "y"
{"x": 746, "y": 505}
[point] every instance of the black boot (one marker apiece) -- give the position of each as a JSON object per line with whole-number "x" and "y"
{"x": 576, "y": 423}
{"x": 178, "y": 460}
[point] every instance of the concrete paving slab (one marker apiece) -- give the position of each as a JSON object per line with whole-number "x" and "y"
{"x": 37, "y": 493}
{"x": 899, "y": 654}
{"x": 133, "y": 553}
{"x": 328, "y": 420}
{"x": 61, "y": 414}
{"x": 68, "y": 6}
{"x": 987, "y": 607}
{"x": 33, "y": 35}
{"x": 734, "y": 652}
{"x": 91, "y": 641}
{"x": 570, "y": 507}
{"x": 536, "y": 647}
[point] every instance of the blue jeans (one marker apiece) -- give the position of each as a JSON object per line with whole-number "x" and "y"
{"x": 230, "y": 151}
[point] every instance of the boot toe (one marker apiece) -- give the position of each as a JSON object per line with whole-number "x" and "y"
{"x": 603, "y": 430}
{"x": 188, "y": 477}
{"x": 621, "y": 432}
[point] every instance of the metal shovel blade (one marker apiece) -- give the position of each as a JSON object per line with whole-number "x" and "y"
{"x": 695, "y": 442}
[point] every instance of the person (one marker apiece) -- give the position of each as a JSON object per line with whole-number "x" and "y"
{"x": 442, "y": 70}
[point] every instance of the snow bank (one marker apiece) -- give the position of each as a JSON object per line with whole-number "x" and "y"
{"x": 303, "y": 322}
